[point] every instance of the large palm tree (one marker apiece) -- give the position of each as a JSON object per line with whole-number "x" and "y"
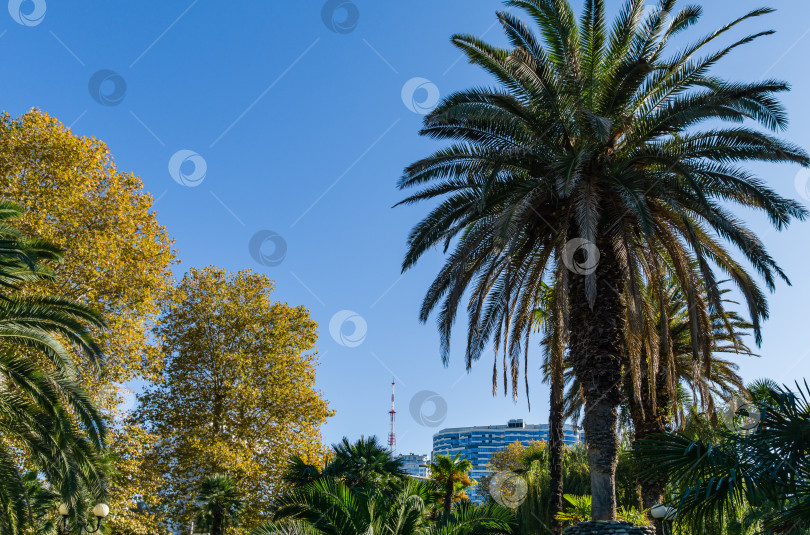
{"x": 590, "y": 163}
{"x": 450, "y": 474}
{"x": 44, "y": 413}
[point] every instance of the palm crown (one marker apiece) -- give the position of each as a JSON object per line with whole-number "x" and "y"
{"x": 450, "y": 474}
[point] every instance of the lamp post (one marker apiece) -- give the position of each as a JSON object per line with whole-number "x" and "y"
{"x": 665, "y": 515}
{"x": 99, "y": 512}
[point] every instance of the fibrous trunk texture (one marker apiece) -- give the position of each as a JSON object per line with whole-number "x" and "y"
{"x": 555, "y": 446}
{"x": 596, "y": 353}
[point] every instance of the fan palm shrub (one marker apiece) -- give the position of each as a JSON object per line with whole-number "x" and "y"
{"x": 597, "y": 161}
{"x": 360, "y": 464}
{"x": 765, "y": 470}
{"x": 579, "y": 510}
{"x": 364, "y": 462}
{"x": 330, "y": 507}
{"x": 219, "y": 503}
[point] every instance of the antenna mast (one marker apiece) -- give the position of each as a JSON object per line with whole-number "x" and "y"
{"x": 392, "y": 437}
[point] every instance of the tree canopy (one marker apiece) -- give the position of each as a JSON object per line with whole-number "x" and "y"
{"x": 116, "y": 256}
{"x": 237, "y": 393}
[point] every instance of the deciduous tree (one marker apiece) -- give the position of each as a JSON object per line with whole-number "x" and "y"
{"x": 116, "y": 255}
{"x": 237, "y": 395}
{"x": 116, "y": 259}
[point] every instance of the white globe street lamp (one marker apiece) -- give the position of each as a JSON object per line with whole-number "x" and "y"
{"x": 665, "y": 515}
{"x": 100, "y": 511}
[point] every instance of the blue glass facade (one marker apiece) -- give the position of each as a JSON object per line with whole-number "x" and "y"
{"x": 479, "y": 443}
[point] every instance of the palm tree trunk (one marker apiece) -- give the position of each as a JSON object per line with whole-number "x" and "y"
{"x": 653, "y": 485}
{"x": 596, "y": 354}
{"x": 555, "y": 445}
{"x": 448, "y": 495}
{"x": 216, "y": 523}
{"x": 648, "y": 420}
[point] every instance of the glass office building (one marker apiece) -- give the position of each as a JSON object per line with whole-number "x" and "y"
{"x": 479, "y": 443}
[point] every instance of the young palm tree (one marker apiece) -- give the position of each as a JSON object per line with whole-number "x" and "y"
{"x": 219, "y": 503}
{"x": 363, "y": 463}
{"x": 549, "y": 320}
{"x": 451, "y": 476}
{"x": 591, "y": 164}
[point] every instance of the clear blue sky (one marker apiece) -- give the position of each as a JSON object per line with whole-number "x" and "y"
{"x": 304, "y": 132}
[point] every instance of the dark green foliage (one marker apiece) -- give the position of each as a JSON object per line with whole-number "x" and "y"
{"x": 533, "y": 514}
{"x": 219, "y": 504}
{"x": 766, "y": 472}
{"x": 298, "y": 472}
{"x": 363, "y": 489}
{"x": 40, "y": 503}
{"x": 330, "y": 507}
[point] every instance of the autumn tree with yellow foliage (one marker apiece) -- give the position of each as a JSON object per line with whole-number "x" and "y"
{"x": 116, "y": 259}
{"x": 237, "y": 394}
{"x": 516, "y": 457}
